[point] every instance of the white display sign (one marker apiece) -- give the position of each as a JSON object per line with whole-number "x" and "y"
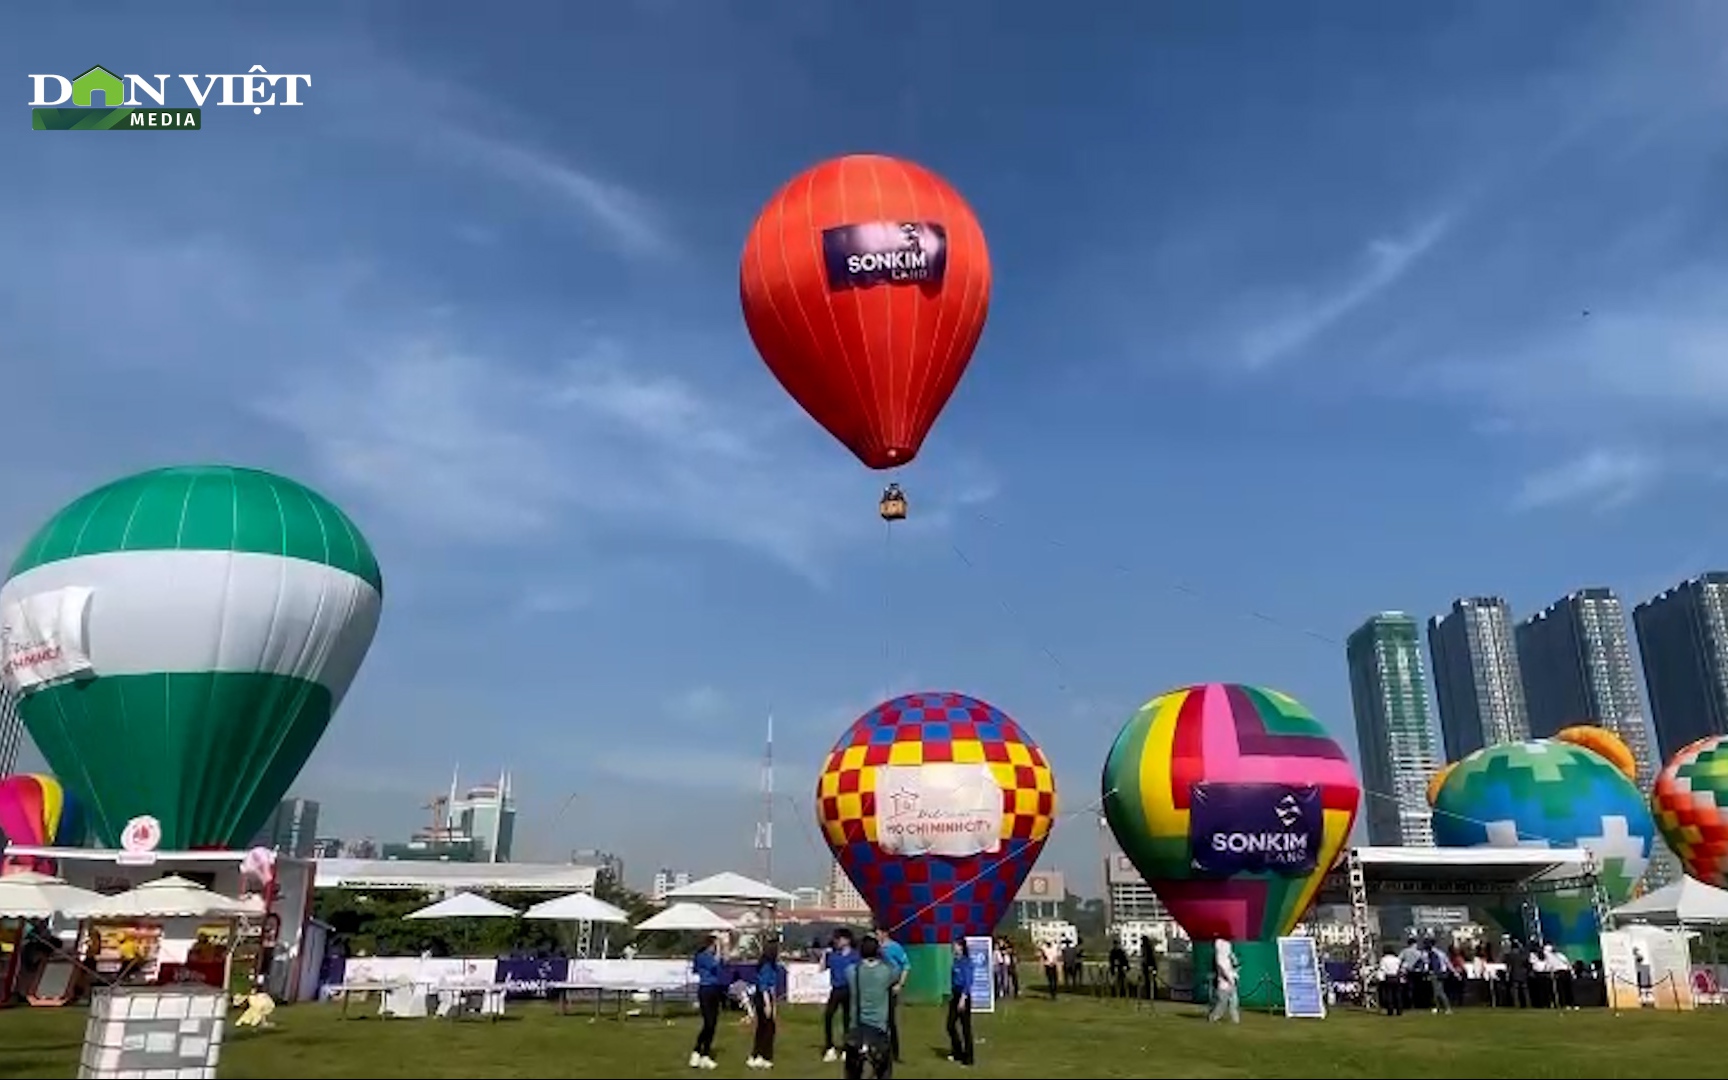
{"x": 42, "y": 638}
{"x": 941, "y": 808}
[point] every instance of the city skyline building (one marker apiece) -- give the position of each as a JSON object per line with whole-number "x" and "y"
{"x": 1576, "y": 659}
{"x": 665, "y": 880}
{"x": 1477, "y": 681}
{"x": 291, "y": 829}
{"x": 842, "y": 894}
{"x": 1683, "y": 644}
{"x": 1396, "y": 741}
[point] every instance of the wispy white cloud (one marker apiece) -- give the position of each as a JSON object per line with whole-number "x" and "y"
{"x": 1306, "y": 316}
{"x": 626, "y": 218}
{"x": 481, "y": 449}
{"x": 1599, "y": 479}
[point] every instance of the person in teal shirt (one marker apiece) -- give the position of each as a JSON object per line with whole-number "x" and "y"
{"x": 960, "y": 1005}
{"x": 894, "y": 954}
{"x": 870, "y": 991}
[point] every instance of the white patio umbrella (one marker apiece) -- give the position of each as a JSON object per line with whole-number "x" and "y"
{"x": 171, "y": 897}
{"x": 465, "y": 905}
{"x": 39, "y": 896}
{"x": 731, "y": 888}
{"x": 579, "y": 908}
{"x": 685, "y": 917}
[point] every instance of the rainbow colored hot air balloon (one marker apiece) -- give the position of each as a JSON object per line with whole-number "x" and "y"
{"x": 1233, "y": 803}
{"x": 936, "y": 806}
{"x": 1690, "y": 803}
{"x": 35, "y": 811}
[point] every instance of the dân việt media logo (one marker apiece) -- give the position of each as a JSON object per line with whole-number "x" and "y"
{"x": 100, "y": 100}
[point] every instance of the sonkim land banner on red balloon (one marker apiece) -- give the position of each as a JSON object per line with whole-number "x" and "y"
{"x": 1253, "y": 828}
{"x": 885, "y": 253}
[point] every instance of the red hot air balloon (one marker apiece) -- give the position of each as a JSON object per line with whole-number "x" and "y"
{"x": 865, "y": 284}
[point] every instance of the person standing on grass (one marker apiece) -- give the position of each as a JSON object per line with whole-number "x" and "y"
{"x": 1391, "y": 979}
{"x": 1118, "y": 968}
{"x": 870, "y": 989}
{"x": 960, "y": 1005}
{"x": 1439, "y": 969}
{"x": 1052, "y": 956}
{"x": 710, "y": 995}
{"x": 839, "y": 962}
{"x": 1518, "y": 974}
{"x": 1225, "y": 993}
{"x": 895, "y": 955}
{"x": 764, "y": 1000}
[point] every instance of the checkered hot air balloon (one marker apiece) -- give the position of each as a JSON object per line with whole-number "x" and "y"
{"x": 937, "y": 806}
{"x": 1550, "y": 793}
{"x": 1233, "y": 802}
{"x": 1690, "y": 803}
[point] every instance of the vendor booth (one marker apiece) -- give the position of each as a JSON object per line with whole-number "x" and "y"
{"x": 184, "y": 945}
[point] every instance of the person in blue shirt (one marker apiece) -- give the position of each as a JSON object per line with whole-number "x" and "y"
{"x": 710, "y": 995}
{"x": 838, "y": 962}
{"x": 960, "y": 1005}
{"x": 765, "y": 1000}
{"x": 895, "y": 954}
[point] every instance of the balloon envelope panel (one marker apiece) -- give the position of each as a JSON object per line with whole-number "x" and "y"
{"x": 35, "y": 811}
{"x": 1547, "y": 793}
{"x": 933, "y": 898}
{"x": 1226, "y": 739}
{"x": 1690, "y": 801}
{"x": 228, "y": 611}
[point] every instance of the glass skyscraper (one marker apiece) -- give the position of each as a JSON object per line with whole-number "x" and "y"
{"x": 1394, "y": 729}
{"x": 1477, "y": 677}
{"x": 1683, "y": 640}
{"x": 1577, "y": 667}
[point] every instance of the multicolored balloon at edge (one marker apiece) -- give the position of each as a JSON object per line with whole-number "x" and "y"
{"x": 1233, "y": 803}
{"x": 937, "y": 806}
{"x": 1690, "y": 804}
{"x": 36, "y": 811}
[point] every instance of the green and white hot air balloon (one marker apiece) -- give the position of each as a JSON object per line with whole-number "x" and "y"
{"x": 178, "y": 641}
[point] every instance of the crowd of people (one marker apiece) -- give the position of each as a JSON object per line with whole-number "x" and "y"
{"x": 866, "y": 977}
{"x": 1422, "y": 975}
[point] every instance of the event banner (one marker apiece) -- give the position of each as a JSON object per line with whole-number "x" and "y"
{"x": 1299, "y": 969}
{"x": 982, "y": 951}
{"x": 1254, "y": 828}
{"x": 942, "y": 808}
{"x": 807, "y": 983}
{"x": 42, "y": 638}
{"x": 885, "y": 253}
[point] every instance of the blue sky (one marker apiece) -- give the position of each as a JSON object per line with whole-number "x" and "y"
{"x": 1289, "y": 319}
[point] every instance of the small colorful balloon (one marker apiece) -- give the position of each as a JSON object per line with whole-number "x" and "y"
{"x": 1690, "y": 804}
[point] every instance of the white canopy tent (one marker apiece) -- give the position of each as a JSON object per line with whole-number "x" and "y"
{"x": 39, "y": 896}
{"x": 1686, "y": 902}
{"x": 686, "y": 917}
{"x": 577, "y": 908}
{"x": 730, "y": 888}
{"x": 465, "y": 905}
{"x": 170, "y": 897}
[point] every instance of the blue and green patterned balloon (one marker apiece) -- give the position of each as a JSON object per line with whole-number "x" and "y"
{"x": 1550, "y": 793}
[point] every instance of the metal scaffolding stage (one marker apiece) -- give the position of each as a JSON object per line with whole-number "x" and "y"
{"x": 1505, "y": 878}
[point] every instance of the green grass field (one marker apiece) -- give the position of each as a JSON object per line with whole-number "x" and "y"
{"x": 1070, "y": 1038}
